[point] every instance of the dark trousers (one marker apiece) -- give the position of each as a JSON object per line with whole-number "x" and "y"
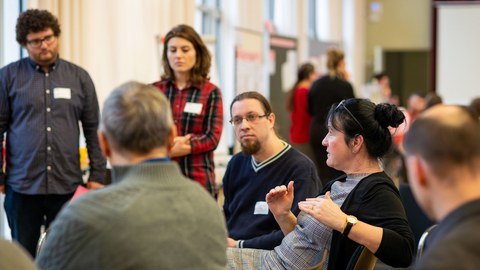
{"x": 27, "y": 213}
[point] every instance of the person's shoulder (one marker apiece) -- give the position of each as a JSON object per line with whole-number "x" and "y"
{"x": 459, "y": 227}
{"x": 210, "y": 84}
{"x": 239, "y": 157}
{"x": 321, "y": 80}
{"x": 99, "y": 204}
{"x": 198, "y": 198}
{"x": 378, "y": 178}
{"x": 71, "y": 67}
{"x": 13, "y": 256}
{"x": 13, "y": 66}
{"x": 209, "y": 87}
{"x": 302, "y": 90}
{"x": 296, "y": 157}
{"x": 161, "y": 84}
{"x": 298, "y": 163}
{"x": 377, "y": 181}
{"x": 69, "y": 64}
{"x": 458, "y": 249}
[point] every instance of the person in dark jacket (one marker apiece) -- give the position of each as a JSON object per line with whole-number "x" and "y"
{"x": 324, "y": 92}
{"x": 442, "y": 147}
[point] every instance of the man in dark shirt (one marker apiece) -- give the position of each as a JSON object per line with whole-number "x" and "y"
{"x": 443, "y": 158}
{"x": 42, "y": 100}
{"x": 266, "y": 161}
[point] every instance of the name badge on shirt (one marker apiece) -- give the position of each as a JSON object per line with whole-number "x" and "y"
{"x": 195, "y": 108}
{"x": 61, "y": 92}
{"x": 261, "y": 208}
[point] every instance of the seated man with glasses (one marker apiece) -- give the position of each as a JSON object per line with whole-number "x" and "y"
{"x": 266, "y": 161}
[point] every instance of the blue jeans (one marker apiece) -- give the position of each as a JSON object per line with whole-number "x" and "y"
{"x": 27, "y": 213}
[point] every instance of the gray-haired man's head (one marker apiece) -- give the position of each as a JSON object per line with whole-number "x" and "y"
{"x": 137, "y": 118}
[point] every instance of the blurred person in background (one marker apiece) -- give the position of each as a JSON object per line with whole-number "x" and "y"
{"x": 415, "y": 105}
{"x": 475, "y": 106}
{"x": 327, "y": 90}
{"x": 378, "y": 90}
{"x": 432, "y": 99}
{"x": 297, "y": 106}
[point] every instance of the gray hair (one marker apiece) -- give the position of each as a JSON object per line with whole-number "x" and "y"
{"x": 136, "y": 117}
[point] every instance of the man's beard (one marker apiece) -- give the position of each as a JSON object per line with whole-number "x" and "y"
{"x": 250, "y": 147}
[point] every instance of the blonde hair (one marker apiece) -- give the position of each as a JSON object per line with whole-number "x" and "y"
{"x": 334, "y": 57}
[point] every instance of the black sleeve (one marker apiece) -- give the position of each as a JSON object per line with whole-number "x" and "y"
{"x": 397, "y": 245}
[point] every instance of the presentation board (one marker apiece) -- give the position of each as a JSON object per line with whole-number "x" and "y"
{"x": 458, "y": 53}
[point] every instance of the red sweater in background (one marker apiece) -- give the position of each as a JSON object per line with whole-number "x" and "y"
{"x": 300, "y": 119}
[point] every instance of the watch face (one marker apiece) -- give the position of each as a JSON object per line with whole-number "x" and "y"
{"x": 352, "y": 219}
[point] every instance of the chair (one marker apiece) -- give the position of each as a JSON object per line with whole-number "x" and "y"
{"x": 423, "y": 240}
{"x": 362, "y": 259}
{"x": 41, "y": 242}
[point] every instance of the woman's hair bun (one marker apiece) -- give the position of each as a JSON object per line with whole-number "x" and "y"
{"x": 388, "y": 115}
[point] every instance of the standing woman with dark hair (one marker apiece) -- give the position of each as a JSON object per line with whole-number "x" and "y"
{"x": 196, "y": 104}
{"x": 297, "y": 104}
{"x": 327, "y": 90}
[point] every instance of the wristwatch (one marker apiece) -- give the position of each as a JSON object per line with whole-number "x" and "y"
{"x": 351, "y": 220}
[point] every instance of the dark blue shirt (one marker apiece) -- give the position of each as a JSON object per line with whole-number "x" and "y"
{"x": 40, "y": 113}
{"x": 245, "y": 185}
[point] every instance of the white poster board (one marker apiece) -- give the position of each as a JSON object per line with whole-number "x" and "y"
{"x": 458, "y": 53}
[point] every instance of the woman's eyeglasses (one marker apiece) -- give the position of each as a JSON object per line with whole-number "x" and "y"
{"x": 342, "y": 104}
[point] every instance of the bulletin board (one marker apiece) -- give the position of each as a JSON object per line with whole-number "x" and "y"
{"x": 249, "y": 67}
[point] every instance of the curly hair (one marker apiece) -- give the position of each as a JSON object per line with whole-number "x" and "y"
{"x": 34, "y": 21}
{"x": 199, "y": 72}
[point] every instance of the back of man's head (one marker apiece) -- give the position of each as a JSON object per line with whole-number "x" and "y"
{"x": 446, "y": 138}
{"x": 137, "y": 118}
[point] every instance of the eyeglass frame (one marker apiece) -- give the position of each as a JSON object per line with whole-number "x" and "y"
{"x": 342, "y": 103}
{"x": 47, "y": 39}
{"x": 253, "y": 118}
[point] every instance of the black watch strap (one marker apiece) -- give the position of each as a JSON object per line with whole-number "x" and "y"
{"x": 347, "y": 229}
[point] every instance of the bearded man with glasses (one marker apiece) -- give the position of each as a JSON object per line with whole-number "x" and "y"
{"x": 266, "y": 161}
{"x": 42, "y": 100}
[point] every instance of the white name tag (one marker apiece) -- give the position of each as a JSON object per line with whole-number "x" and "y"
{"x": 60, "y": 92}
{"x": 195, "y": 108}
{"x": 261, "y": 208}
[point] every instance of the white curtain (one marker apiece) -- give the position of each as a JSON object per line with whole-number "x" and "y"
{"x": 116, "y": 40}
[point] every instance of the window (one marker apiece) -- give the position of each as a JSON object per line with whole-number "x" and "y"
{"x": 208, "y": 21}
{"x": 283, "y": 14}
